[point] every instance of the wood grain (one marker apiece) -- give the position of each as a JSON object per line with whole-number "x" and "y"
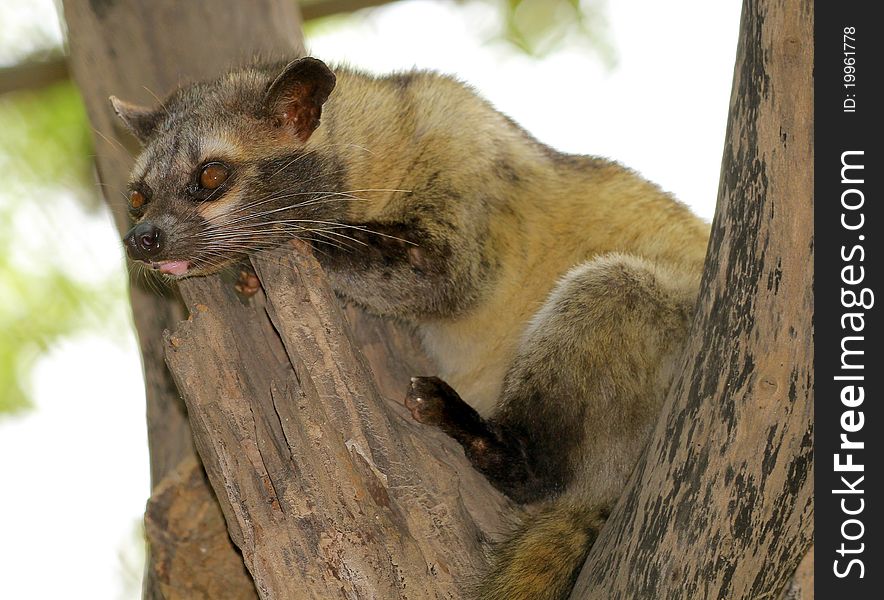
{"x": 328, "y": 490}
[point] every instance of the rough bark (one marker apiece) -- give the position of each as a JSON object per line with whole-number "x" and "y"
{"x": 190, "y": 549}
{"x": 721, "y": 504}
{"x": 328, "y": 489}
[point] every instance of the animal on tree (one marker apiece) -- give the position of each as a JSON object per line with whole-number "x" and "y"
{"x": 553, "y": 292}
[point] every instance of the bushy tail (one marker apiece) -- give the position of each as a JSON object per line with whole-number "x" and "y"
{"x": 542, "y": 559}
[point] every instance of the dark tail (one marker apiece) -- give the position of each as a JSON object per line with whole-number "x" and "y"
{"x": 542, "y": 559}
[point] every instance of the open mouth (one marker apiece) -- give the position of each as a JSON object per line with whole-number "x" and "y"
{"x": 171, "y": 267}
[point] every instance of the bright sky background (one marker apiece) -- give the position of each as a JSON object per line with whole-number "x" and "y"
{"x": 75, "y": 487}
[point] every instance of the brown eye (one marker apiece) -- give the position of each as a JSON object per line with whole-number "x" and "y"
{"x": 136, "y": 199}
{"x": 213, "y": 175}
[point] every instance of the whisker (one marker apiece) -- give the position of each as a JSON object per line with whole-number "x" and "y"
{"x": 293, "y": 161}
{"x": 112, "y": 142}
{"x": 157, "y": 98}
{"x": 336, "y": 225}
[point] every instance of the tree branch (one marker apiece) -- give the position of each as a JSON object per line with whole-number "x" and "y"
{"x": 327, "y": 489}
{"x": 33, "y": 75}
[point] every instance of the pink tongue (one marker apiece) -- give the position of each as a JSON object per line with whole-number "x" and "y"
{"x": 174, "y": 267}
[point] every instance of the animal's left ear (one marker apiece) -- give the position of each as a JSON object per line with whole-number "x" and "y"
{"x": 296, "y": 96}
{"x": 141, "y": 121}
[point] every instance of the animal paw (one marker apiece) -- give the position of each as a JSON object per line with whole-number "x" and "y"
{"x": 247, "y": 285}
{"x": 427, "y": 399}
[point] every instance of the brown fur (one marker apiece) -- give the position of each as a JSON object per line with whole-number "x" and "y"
{"x": 541, "y": 559}
{"x": 553, "y": 291}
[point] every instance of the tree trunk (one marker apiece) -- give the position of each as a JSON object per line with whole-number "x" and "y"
{"x": 721, "y": 503}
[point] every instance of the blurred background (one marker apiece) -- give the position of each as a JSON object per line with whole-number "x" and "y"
{"x": 644, "y": 82}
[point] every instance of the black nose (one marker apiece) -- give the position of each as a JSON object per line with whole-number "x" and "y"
{"x": 143, "y": 241}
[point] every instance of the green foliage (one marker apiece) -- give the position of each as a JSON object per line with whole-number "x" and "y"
{"x": 45, "y": 156}
{"x": 533, "y": 27}
{"x": 46, "y": 141}
{"x": 539, "y": 27}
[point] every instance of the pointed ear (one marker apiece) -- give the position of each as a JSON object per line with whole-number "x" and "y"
{"x": 141, "y": 121}
{"x": 295, "y": 97}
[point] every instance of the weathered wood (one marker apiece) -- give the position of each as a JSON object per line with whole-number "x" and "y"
{"x": 721, "y": 504}
{"x": 328, "y": 489}
{"x": 192, "y": 554}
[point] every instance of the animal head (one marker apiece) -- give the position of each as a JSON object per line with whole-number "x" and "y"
{"x": 224, "y": 171}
